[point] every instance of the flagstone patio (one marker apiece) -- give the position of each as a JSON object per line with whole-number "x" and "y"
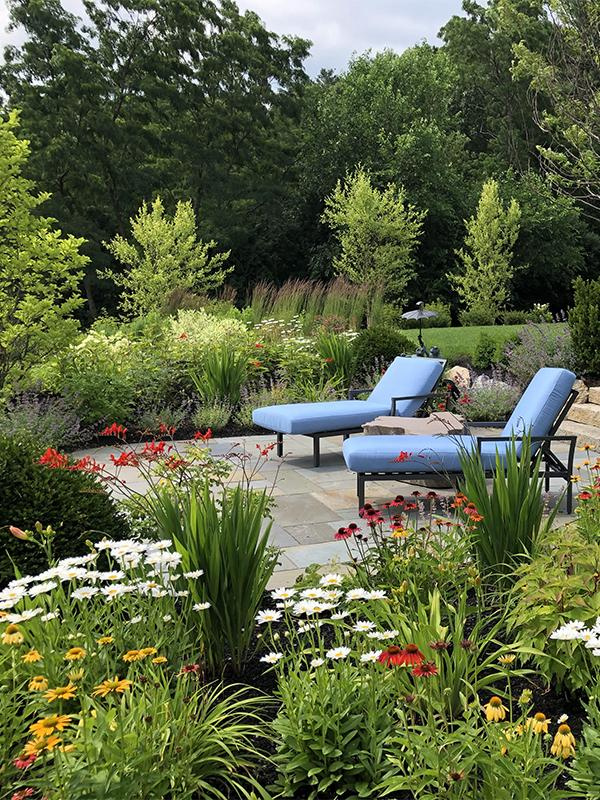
{"x": 311, "y": 503}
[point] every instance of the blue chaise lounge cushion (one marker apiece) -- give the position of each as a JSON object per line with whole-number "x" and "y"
{"x": 535, "y": 412}
{"x": 404, "y": 377}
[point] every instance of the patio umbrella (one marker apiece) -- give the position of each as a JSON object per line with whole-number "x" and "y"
{"x": 419, "y": 313}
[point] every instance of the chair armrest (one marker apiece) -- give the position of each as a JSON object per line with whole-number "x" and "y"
{"x": 410, "y": 397}
{"x": 477, "y": 423}
{"x": 353, "y": 393}
{"x": 481, "y": 439}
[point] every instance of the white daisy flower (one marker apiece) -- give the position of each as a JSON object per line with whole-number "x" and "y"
{"x": 332, "y": 595}
{"x": 332, "y": 579}
{"x": 113, "y": 575}
{"x": 337, "y": 653}
{"x": 363, "y": 625}
{"x": 376, "y": 594}
{"x": 372, "y": 655}
{"x": 134, "y": 620}
{"x": 312, "y": 594}
{"x": 71, "y": 573}
{"x": 167, "y": 618}
{"x": 340, "y": 615}
{"x": 283, "y": 594}
{"x": 13, "y": 595}
{"x": 182, "y": 593}
{"x": 268, "y": 616}
{"x": 356, "y": 594}
{"x": 285, "y": 604}
{"x": 24, "y": 616}
{"x": 50, "y": 615}
{"x": 84, "y": 592}
{"x": 41, "y": 588}
{"x": 201, "y": 606}
{"x": 317, "y": 662}
{"x": 272, "y": 658}
{"x": 197, "y": 573}
{"x": 116, "y": 590}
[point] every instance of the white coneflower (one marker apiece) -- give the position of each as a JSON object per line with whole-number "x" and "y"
{"x": 272, "y": 658}
{"x": 336, "y": 653}
{"x": 268, "y": 616}
{"x": 363, "y": 626}
{"x": 371, "y": 656}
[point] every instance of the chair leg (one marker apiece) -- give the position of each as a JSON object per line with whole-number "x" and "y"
{"x": 316, "y": 451}
{"x": 569, "y": 496}
{"x": 280, "y": 445}
{"x": 360, "y": 489}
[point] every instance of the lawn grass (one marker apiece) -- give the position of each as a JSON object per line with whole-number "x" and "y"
{"x": 455, "y": 343}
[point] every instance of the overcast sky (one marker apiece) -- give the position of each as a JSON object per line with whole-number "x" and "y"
{"x": 337, "y": 28}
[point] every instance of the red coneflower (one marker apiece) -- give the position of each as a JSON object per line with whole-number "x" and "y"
{"x": 342, "y": 533}
{"x": 425, "y": 670}
{"x": 396, "y": 656}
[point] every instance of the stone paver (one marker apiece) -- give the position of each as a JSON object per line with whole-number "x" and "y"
{"x": 310, "y": 503}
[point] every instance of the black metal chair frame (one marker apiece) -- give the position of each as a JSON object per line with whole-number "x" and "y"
{"x": 346, "y": 432}
{"x": 553, "y": 467}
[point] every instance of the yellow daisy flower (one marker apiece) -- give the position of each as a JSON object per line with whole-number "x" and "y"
{"x": 75, "y": 675}
{"x": 563, "y": 745}
{"x": 61, "y": 692}
{"x": 494, "y": 710}
{"x": 148, "y": 651}
{"x": 133, "y": 655}
{"x": 538, "y": 723}
{"x": 105, "y": 640}
{"x": 75, "y": 654}
{"x": 159, "y": 660}
{"x": 38, "y": 684}
{"x": 12, "y": 635}
{"x": 31, "y": 657}
{"x": 35, "y": 746}
{"x": 507, "y": 659}
{"x": 47, "y": 725}
{"x": 108, "y": 686}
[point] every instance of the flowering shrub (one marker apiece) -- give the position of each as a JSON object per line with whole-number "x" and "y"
{"x": 103, "y": 657}
{"x": 489, "y": 400}
{"x": 538, "y": 346}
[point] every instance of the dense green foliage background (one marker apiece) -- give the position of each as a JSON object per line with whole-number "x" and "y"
{"x": 195, "y": 100}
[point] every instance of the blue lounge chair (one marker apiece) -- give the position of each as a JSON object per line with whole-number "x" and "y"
{"x": 407, "y": 383}
{"x": 539, "y": 413}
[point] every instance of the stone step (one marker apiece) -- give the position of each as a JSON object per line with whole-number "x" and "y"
{"x": 586, "y": 434}
{"x": 585, "y": 413}
{"x": 594, "y": 394}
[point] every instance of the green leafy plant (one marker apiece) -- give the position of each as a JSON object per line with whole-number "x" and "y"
{"x": 164, "y": 255}
{"x": 485, "y": 353}
{"x": 584, "y": 324}
{"x": 584, "y": 772}
{"x": 338, "y": 358}
{"x": 224, "y": 372}
{"x": 377, "y": 232}
{"x": 378, "y": 347}
{"x": 40, "y": 269}
{"x": 332, "y": 731}
{"x": 483, "y": 285}
{"x": 228, "y": 539}
{"x": 215, "y": 415}
{"x": 512, "y": 514}
{"x": 75, "y": 504}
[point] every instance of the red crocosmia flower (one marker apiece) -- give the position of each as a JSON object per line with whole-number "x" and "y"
{"x": 328, "y": 360}
{"x": 126, "y": 459}
{"x": 256, "y": 363}
{"x": 173, "y": 462}
{"x": 86, "y": 464}
{"x": 114, "y": 430}
{"x": 153, "y": 450}
{"x": 264, "y": 451}
{"x": 259, "y": 346}
{"x": 425, "y": 670}
{"x": 342, "y": 533}
{"x": 164, "y": 428}
{"x": 22, "y": 794}
{"x": 53, "y": 459}
{"x": 402, "y": 456}
{"x": 26, "y": 762}
{"x": 584, "y": 495}
{"x": 203, "y": 436}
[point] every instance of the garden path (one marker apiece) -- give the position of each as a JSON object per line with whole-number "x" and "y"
{"x": 311, "y": 504}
